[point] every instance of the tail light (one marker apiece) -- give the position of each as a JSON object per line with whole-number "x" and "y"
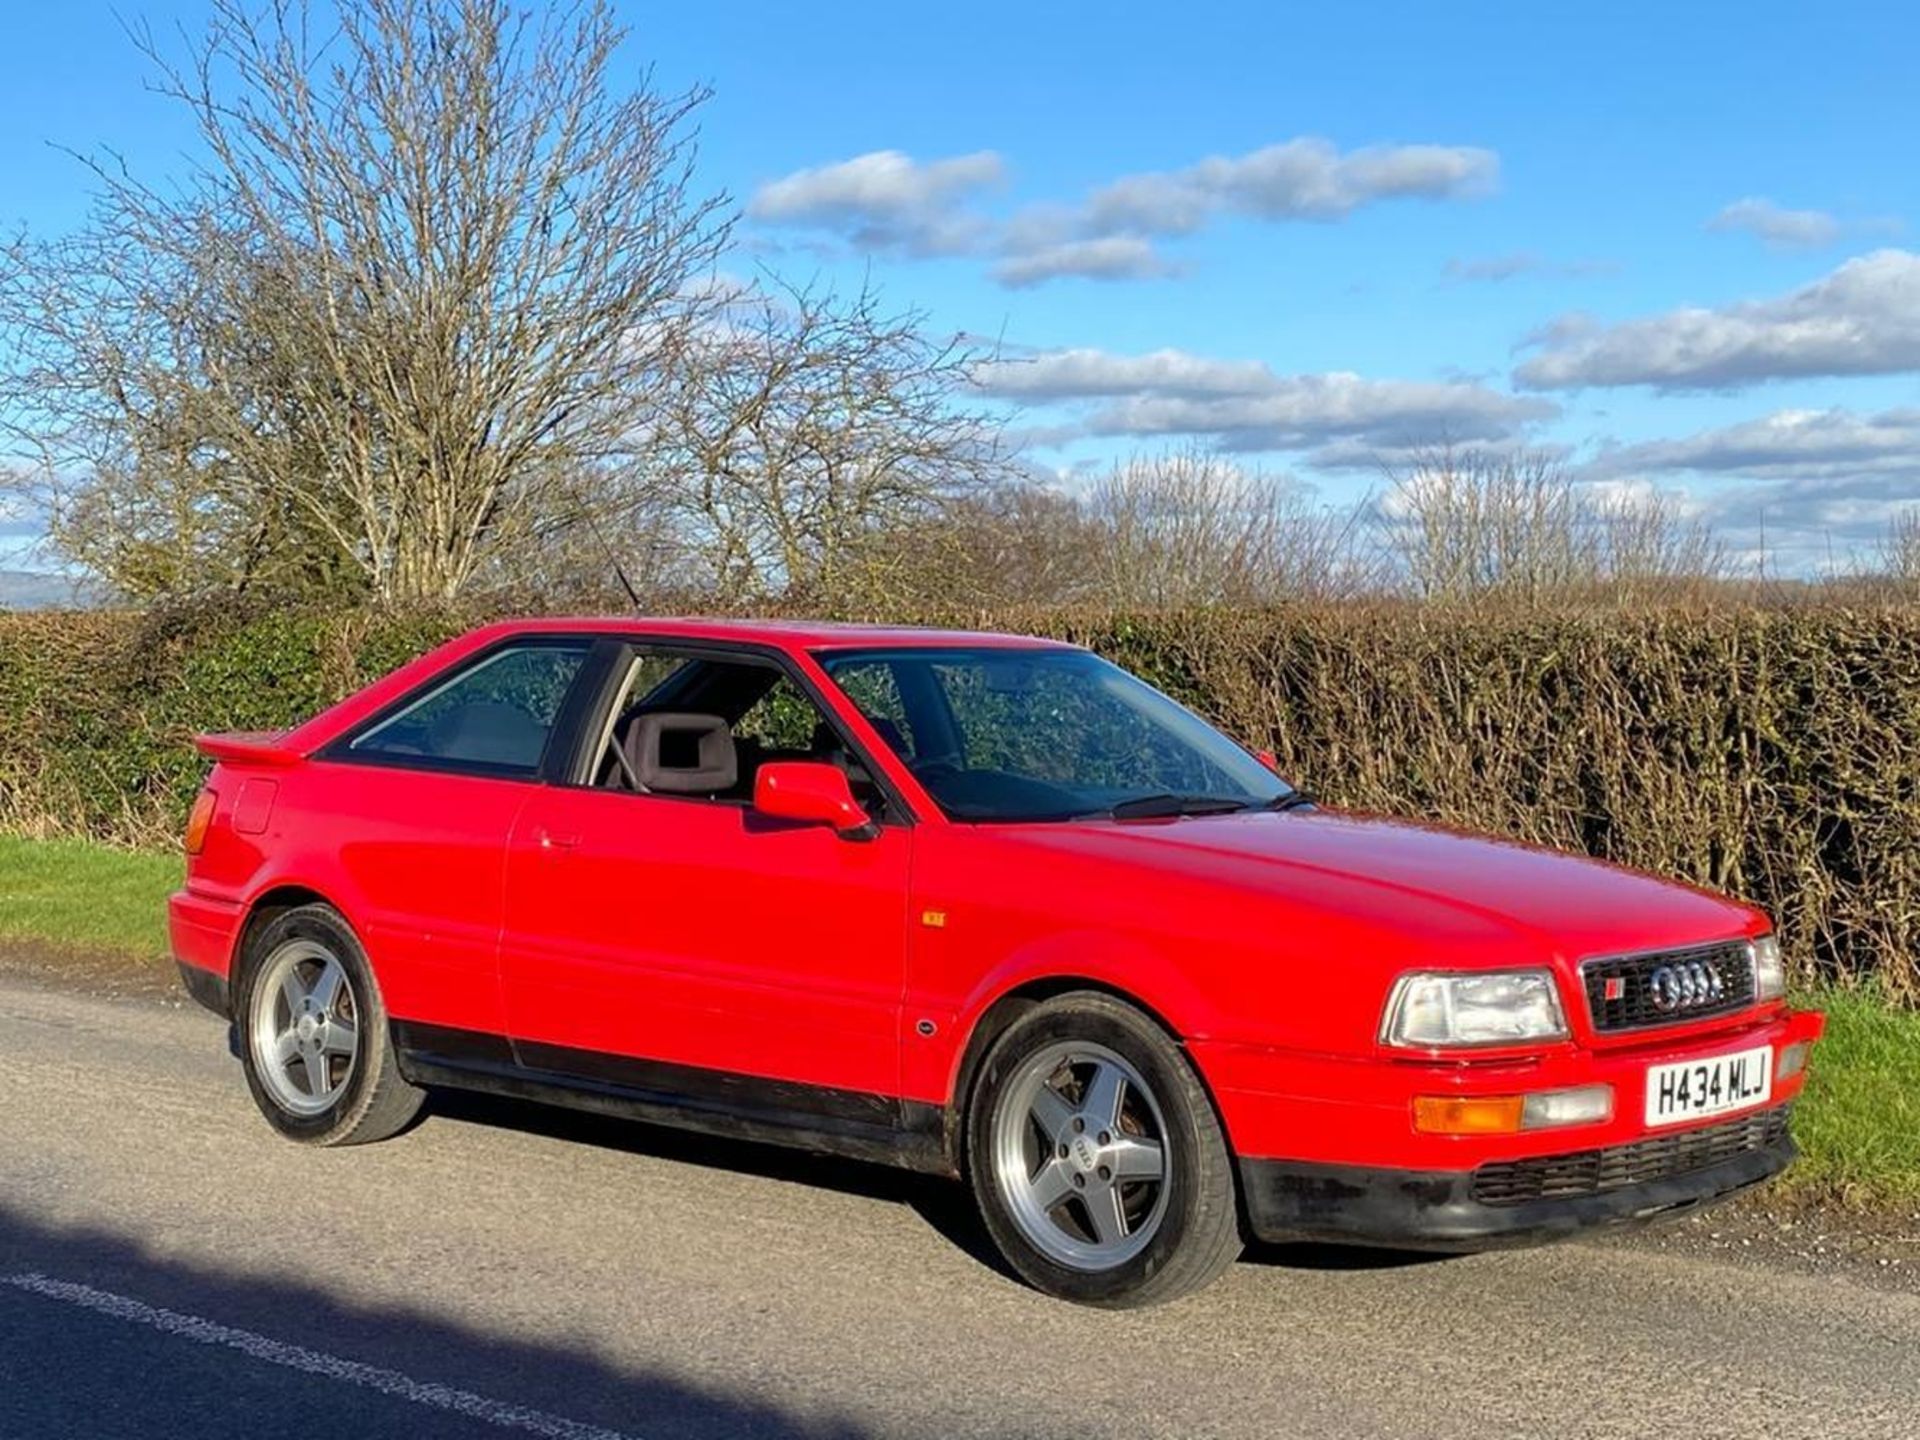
{"x": 199, "y": 821}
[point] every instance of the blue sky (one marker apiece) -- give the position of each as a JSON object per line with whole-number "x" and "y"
{"x": 1678, "y": 241}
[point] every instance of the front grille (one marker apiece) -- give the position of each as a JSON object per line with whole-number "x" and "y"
{"x": 1594, "y": 1172}
{"x": 1668, "y": 987}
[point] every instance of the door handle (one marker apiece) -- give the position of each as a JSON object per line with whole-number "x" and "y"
{"x": 549, "y": 840}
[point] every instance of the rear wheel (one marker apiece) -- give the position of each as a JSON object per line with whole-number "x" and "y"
{"x": 1096, "y": 1159}
{"x": 313, "y": 1034}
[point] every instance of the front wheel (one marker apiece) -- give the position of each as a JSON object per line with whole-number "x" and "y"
{"x": 313, "y": 1034}
{"x": 1096, "y": 1158}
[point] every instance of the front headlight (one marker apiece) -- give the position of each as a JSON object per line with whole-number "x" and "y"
{"x": 1485, "y": 1007}
{"x": 1769, "y": 969}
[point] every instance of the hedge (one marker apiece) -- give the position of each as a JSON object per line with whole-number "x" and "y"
{"x": 1770, "y": 753}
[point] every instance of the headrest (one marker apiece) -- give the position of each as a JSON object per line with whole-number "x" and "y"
{"x": 683, "y": 754}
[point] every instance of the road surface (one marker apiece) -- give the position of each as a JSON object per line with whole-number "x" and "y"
{"x": 169, "y": 1267}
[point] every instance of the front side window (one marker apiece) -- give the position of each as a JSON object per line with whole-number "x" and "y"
{"x": 494, "y": 717}
{"x": 1017, "y": 734}
{"x": 699, "y": 727}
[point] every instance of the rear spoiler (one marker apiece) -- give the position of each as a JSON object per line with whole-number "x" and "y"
{"x": 249, "y": 747}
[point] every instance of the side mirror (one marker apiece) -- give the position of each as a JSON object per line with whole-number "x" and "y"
{"x": 814, "y": 793}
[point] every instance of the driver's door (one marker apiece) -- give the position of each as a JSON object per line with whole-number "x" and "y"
{"x": 696, "y": 932}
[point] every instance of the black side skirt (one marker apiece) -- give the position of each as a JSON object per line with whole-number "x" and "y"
{"x": 853, "y": 1123}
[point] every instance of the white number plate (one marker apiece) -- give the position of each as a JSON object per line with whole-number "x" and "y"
{"x": 1713, "y": 1086}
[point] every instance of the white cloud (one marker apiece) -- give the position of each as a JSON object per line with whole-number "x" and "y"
{"x": 886, "y": 201}
{"x": 1781, "y": 228}
{"x": 1106, "y": 257}
{"x": 1788, "y": 444}
{"x": 1803, "y": 490}
{"x": 1410, "y": 448}
{"x": 1861, "y": 319}
{"x": 1303, "y": 179}
{"x": 1093, "y": 374}
{"x": 1110, "y": 235}
{"x": 1243, "y": 405}
{"x": 22, "y": 511}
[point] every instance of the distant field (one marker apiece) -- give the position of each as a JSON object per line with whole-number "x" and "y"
{"x": 1859, "y": 1122}
{"x": 31, "y": 589}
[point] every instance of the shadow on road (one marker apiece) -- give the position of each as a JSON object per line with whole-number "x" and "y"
{"x": 72, "y": 1370}
{"x": 946, "y": 1206}
{"x": 1307, "y": 1256}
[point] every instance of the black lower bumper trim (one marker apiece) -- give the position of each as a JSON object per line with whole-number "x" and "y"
{"x": 1435, "y": 1209}
{"x": 206, "y": 987}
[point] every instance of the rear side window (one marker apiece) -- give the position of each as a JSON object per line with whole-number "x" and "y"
{"x": 492, "y": 718}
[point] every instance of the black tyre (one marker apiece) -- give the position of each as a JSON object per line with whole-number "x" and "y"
{"x": 1096, "y": 1158}
{"x": 313, "y": 1034}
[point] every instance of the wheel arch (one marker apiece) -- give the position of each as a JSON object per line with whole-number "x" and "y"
{"x": 993, "y": 1017}
{"x": 269, "y": 905}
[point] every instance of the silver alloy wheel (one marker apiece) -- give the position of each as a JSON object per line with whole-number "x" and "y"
{"x": 1079, "y": 1152}
{"x": 305, "y": 1032}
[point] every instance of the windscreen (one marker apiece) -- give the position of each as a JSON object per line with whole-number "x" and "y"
{"x": 1031, "y": 734}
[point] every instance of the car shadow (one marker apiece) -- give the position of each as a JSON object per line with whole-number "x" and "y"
{"x": 1319, "y": 1255}
{"x": 945, "y": 1206}
{"x": 103, "y": 1337}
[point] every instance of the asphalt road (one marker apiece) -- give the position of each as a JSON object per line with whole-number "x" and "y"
{"x": 169, "y": 1267}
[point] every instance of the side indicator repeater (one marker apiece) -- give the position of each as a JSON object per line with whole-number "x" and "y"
{"x": 934, "y": 919}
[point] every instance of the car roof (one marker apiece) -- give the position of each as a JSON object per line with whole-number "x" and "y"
{"x": 787, "y": 634}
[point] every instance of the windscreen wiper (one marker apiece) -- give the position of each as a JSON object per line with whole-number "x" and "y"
{"x": 1150, "y": 807}
{"x": 1291, "y": 800}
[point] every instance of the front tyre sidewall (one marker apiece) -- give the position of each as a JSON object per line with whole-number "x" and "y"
{"x": 1189, "y": 1247}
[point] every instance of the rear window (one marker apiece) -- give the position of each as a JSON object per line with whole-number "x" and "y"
{"x": 492, "y": 718}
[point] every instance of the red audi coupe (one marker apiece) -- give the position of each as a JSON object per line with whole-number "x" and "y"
{"x": 978, "y": 905}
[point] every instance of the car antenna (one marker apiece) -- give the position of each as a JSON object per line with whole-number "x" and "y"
{"x": 613, "y": 559}
{"x": 620, "y": 574}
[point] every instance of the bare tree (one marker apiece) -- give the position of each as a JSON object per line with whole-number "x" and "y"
{"x": 1899, "y": 550}
{"x": 1466, "y": 524}
{"x": 1163, "y": 531}
{"x": 1022, "y": 542}
{"x": 399, "y": 324}
{"x": 1651, "y": 548}
{"x": 801, "y": 427}
{"x": 1462, "y": 523}
{"x": 1190, "y": 528}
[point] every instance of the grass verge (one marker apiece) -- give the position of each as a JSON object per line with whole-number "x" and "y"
{"x": 86, "y": 897}
{"x": 1858, "y": 1124}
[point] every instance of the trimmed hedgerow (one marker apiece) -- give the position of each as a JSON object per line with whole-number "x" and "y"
{"x": 1770, "y": 753}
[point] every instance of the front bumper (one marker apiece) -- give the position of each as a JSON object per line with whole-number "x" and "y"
{"x": 1357, "y": 1110}
{"x": 1442, "y": 1209}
